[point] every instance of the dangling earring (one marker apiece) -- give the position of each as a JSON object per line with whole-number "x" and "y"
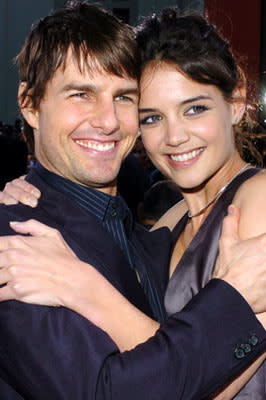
{"x": 238, "y": 119}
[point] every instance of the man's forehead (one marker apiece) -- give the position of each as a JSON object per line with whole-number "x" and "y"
{"x": 89, "y": 68}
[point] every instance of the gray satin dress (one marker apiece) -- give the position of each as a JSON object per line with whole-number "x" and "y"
{"x": 195, "y": 270}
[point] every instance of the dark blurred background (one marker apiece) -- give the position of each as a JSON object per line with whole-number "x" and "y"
{"x": 240, "y": 21}
{"x": 243, "y": 23}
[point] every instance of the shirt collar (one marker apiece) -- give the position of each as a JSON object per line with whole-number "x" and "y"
{"x": 101, "y": 205}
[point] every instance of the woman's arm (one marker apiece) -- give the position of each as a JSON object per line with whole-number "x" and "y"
{"x": 31, "y": 277}
{"x": 231, "y": 390}
{"x": 69, "y": 282}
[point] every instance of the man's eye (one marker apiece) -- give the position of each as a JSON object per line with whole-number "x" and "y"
{"x": 196, "y": 110}
{"x": 150, "y": 120}
{"x": 80, "y": 95}
{"x": 123, "y": 98}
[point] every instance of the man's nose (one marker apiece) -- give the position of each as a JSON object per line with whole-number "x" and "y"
{"x": 105, "y": 117}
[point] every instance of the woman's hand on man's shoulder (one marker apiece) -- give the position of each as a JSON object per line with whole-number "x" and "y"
{"x": 20, "y": 191}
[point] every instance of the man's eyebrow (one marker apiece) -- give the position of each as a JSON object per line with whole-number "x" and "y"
{"x": 93, "y": 88}
{"x": 77, "y": 86}
{"x": 184, "y": 102}
{"x": 147, "y": 110}
{"x": 129, "y": 90}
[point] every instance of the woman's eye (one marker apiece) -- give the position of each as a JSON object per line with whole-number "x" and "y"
{"x": 196, "y": 110}
{"x": 151, "y": 119}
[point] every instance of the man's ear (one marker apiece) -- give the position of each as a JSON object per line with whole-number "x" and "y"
{"x": 238, "y": 104}
{"x": 30, "y": 114}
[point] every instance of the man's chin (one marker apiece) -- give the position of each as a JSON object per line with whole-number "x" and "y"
{"x": 108, "y": 184}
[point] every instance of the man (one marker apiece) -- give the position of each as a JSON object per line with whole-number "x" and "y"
{"x": 79, "y": 98}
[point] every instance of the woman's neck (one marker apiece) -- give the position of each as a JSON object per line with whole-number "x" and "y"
{"x": 200, "y": 201}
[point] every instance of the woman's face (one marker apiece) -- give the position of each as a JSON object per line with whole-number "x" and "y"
{"x": 186, "y": 126}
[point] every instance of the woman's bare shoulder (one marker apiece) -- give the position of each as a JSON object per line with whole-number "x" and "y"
{"x": 172, "y": 216}
{"x": 252, "y": 188}
{"x": 251, "y": 200}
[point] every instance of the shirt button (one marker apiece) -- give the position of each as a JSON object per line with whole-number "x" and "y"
{"x": 113, "y": 213}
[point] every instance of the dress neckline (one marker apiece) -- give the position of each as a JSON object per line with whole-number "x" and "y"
{"x": 181, "y": 224}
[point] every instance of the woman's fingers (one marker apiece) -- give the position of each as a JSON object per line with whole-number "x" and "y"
{"x": 7, "y": 199}
{"x": 5, "y": 276}
{"x": 29, "y": 286}
{"x": 26, "y": 267}
{"x": 33, "y": 227}
{"x": 11, "y": 242}
{"x": 38, "y": 230}
{"x": 21, "y": 191}
{"x": 25, "y": 291}
{"x": 6, "y": 293}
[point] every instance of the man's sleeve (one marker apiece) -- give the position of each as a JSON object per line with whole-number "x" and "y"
{"x": 54, "y": 353}
{"x": 197, "y": 351}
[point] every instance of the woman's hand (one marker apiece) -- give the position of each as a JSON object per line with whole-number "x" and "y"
{"x": 20, "y": 191}
{"x": 42, "y": 269}
{"x": 37, "y": 268}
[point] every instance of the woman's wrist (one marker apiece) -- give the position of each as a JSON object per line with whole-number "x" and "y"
{"x": 83, "y": 291}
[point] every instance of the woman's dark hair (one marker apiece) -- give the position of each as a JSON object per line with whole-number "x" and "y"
{"x": 195, "y": 48}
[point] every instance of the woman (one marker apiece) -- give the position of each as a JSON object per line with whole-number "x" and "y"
{"x": 192, "y": 103}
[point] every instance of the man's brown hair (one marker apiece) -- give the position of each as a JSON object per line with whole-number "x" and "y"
{"x": 92, "y": 35}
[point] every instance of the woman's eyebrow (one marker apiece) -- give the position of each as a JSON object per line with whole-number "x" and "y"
{"x": 193, "y": 99}
{"x": 184, "y": 102}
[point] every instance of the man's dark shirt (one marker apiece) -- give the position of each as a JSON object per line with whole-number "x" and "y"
{"x": 116, "y": 218}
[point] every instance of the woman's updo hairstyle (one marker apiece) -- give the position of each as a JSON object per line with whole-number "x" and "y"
{"x": 190, "y": 43}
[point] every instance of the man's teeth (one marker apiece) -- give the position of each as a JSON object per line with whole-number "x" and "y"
{"x": 186, "y": 156}
{"x": 96, "y": 145}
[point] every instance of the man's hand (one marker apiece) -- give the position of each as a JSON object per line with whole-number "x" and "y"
{"x": 20, "y": 191}
{"x": 242, "y": 263}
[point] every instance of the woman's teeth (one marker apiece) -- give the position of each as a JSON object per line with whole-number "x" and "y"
{"x": 186, "y": 156}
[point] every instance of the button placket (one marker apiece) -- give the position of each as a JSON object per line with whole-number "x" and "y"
{"x": 113, "y": 212}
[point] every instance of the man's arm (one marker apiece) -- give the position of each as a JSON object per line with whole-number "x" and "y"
{"x": 197, "y": 351}
{"x": 55, "y": 353}
{"x": 214, "y": 314}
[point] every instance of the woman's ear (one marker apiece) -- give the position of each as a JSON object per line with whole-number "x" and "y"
{"x": 238, "y": 104}
{"x": 30, "y": 114}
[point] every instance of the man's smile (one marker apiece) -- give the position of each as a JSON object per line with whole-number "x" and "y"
{"x": 94, "y": 145}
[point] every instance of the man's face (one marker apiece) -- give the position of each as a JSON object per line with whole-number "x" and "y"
{"x": 86, "y": 125}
